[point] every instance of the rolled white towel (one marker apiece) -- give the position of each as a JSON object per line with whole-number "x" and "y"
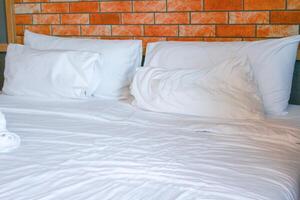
{"x": 8, "y": 141}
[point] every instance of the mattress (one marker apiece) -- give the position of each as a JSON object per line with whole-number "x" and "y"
{"x": 100, "y": 149}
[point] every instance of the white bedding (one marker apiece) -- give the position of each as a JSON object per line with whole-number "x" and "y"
{"x": 99, "y": 149}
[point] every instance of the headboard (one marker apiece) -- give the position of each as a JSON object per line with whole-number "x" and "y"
{"x": 295, "y": 94}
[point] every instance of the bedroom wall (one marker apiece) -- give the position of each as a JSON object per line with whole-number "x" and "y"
{"x": 156, "y": 20}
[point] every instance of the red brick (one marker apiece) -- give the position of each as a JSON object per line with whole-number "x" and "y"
{"x": 161, "y": 30}
{"x": 264, "y": 5}
{"x": 185, "y": 5}
{"x": 138, "y": 18}
{"x": 223, "y": 4}
{"x": 117, "y": 38}
{"x": 20, "y": 40}
{"x": 23, "y": 19}
{"x": 149, "y": 6}
{"x": 33, "y": 1}
{"x": 235, "y": 30}
{"x": 209, "y": 18}
{"x": 147, "y": 40}
{"x": 46, "y": 19}
{"x": 75, "y": 18}
{"x": 215, "y": 39}
{"x": 27, "y": 8}
{"x": 127, "y": 30}
{"x": 293, "y": 4}
{"x": 260, "y": 17}
{"x": 55, "y": 7}
{"x": 172, "y": 18}
{"x": 20, "y": 30}
{"x": 66, "y": 30}
{"x": 116, "y": 6}
{"x": 197, "y": 30}
{"x": 277, "y": 30}
{"x": 192, "y": 39}
{"x": 285, "y": 17}
{"x": 95, "y": 30}
{"x": 105, "y": 18}
{"x": 43, "y": 29}
{"x": 84, "y": 7}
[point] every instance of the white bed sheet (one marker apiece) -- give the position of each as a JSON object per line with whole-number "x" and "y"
{"x": 99, "y": 149}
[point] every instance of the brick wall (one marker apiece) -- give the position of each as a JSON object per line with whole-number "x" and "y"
{"x": 158, "y": 20}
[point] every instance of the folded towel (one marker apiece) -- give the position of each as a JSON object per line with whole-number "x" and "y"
{"x": 8, "y": 141}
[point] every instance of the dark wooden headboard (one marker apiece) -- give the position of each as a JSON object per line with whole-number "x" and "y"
{"x": 295, "y": 95}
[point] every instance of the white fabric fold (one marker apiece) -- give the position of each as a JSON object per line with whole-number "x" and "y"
{"x": 8, "y": 141}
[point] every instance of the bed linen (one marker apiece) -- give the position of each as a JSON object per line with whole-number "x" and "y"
{"x": 100, "y": 149}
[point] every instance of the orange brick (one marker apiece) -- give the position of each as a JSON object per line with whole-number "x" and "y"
{"x": 223, "y": 4}
{"x": 236, "y": 30}
{"x": 55, "y": 7}
{"x": 117, "y": 38}
{"x": 285, "y": 17}
{"x": 27, "y": 8}
{"x": 293, "y": 4}
{"x": 84, "y": 7}
{"x": 46, "y": 19}
{"x": 209, "y": 18}
{"x": 161, "y": 30}
{"x": 20, "y": 40}
{"x": 75, "y": 18}
{"x": 23, "y": 19}
{"x": 192, "y": 39}
{"x": 223, "y": 39}
{"x": 20, "y": 30}
{"x": 259, "y": 17}
{"x": 66, "y": 30}
{"x": 43, "y": 29}
{"x": 116, "y": 6}
{"x": 95, "y": 30}
{"x": 149, "y": 6}
{"x": 105, "y": 18}
{"x": 147, "y": 40}
{"x": 264, "y": 5}
{"x": 197, "y": 30}
{"x": 127, "y": 30}
{"x": 32, "y": 1}
{"x": 253, "y": 39}
{"x": 277, "y": 30}
{"x": 172, "y": 18}
{"x": 184, "y": 5}
{"x": 138, "y": 18}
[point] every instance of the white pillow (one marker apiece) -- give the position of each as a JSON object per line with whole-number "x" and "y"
{"x": 121, "y": 58}
{"x": 272, "y": 61}
{"x": 225, "y": 91}
{"x": 56, "y": 74}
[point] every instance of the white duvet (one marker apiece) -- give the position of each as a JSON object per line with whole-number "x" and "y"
{"x": 98, "y": 150}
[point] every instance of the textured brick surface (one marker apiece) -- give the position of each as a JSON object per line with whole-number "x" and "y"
{"x": 160, "y": 20}
{"x": 223, "y": 4}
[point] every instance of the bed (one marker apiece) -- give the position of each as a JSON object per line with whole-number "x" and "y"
{"x": 100, "y": 149}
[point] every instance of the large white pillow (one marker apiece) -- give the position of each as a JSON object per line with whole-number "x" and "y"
{"x": 50, "y": 73}
{"x": 121, "y": 59}
{"x": 225, "y": 91}
{"x": 272, "y": 61}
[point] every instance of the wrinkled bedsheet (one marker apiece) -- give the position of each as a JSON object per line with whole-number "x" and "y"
{"x": 101, "y": 149}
